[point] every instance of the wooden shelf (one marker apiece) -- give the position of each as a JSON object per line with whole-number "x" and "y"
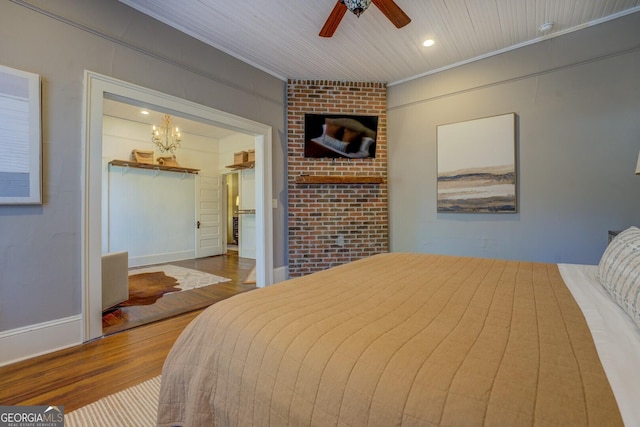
{"x": 245, "y": 165}
{"x": 128, "y": 163}
{"x": 338, "y": 179}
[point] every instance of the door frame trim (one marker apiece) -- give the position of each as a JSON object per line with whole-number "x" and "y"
{"x": 96, "y": 86}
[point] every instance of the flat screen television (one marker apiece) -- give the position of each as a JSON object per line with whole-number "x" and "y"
{"x": 340, "y": 136}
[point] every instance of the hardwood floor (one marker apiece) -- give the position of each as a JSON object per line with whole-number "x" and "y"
{"x": 230, "y": 266}
{"x": 80, "y": 375}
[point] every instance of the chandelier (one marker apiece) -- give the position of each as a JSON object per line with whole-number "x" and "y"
{"x": 166, "y": 137}
{"x": 357, "y": 6}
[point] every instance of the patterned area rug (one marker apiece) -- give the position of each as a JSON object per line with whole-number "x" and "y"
{"x": 135, "y": 406}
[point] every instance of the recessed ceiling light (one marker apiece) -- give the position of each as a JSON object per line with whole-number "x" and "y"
{"x": 428, "y": 43}
{"x": 145, "y": 112}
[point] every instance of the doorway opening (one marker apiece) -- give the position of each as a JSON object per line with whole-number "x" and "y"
{"x": 167, "y": 221}
{"x": 97, "y": 89}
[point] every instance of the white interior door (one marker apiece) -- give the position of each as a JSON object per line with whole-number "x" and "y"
{"x": 247, "y": 214}
{"x": 209, "y": 239}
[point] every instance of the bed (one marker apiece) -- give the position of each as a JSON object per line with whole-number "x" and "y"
{"x": 413, "y": 340}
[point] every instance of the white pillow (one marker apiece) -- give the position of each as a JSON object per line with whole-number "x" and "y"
{"x": 619, "y": 271}
{"x": 366, "y": 142}
{"x": 335, "y": 143}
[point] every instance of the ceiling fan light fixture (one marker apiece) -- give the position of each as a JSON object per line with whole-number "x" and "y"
{"x": 357, "y": 6}
{"x": 388, "y": 8}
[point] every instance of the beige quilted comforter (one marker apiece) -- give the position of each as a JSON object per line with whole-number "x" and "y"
{"x": 395, "y": 339}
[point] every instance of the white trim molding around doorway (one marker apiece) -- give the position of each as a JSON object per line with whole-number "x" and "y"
{"x": 97, "y": 87}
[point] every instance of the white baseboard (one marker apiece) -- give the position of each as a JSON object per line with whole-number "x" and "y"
{"x": 141, "y": 261}
{"x": 35, "y": 340}
{"x": 280, "y": 274}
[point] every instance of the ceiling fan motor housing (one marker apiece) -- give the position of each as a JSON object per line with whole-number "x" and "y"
{"x": 357, "y": 6}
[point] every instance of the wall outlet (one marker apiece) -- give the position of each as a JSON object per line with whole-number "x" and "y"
{"x": 340, "y": 241}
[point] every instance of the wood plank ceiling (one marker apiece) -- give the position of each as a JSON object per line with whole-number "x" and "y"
{"x": 281, "y": 36}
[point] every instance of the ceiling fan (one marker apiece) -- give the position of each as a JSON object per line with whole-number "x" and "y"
{"x": 388, "y": 7}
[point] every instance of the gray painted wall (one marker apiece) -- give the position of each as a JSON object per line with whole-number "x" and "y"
{"x": 58, "y": 39}
{"x": 577, "y": 99}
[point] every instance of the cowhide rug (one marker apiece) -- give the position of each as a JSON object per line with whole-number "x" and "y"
{"x": 147, "y": 288}
{"x": 147, "y": 285}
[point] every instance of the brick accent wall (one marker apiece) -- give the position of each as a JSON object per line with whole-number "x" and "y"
{"x": 332, "y": 224}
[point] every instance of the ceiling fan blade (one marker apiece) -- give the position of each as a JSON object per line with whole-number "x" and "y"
{"x": 333, "y": 20}
{"x": 392, "y": 11}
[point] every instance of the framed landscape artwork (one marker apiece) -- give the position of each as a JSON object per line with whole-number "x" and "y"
{"x": 20, "y": 138}
{"x": 477, "y": 165}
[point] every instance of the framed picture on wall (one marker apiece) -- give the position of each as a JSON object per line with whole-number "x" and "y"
{"x": 477, "y": 165}
{"x": 20, "y": 138}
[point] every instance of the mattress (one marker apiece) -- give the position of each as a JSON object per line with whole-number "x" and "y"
{"x": 394, "y": 339}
